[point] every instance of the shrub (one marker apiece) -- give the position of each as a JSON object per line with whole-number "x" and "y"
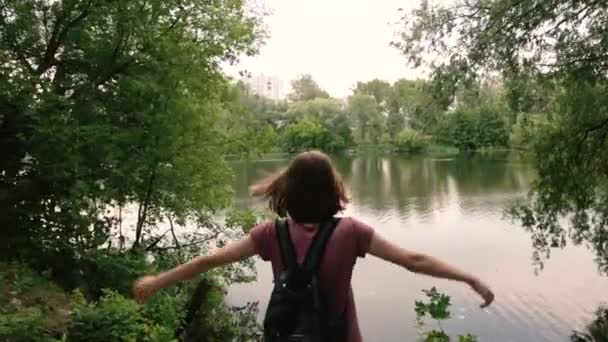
{"x": 409, "y": 141}
{"x": 103, "y": 269}
{"x": 310, "y": 133}
{"x": 116, "y": 318}
{"x": 211, "y": 320}
{"x": 31, "y": 305}
{"x": 166, "y": 309}
{"x": 113, "y": 318}
{"x": 26, "y": 325}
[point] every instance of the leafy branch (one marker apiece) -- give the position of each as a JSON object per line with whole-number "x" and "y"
{"x": 437, "y": 308}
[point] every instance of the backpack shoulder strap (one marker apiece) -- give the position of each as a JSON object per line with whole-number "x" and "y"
{"x": 288, "y": 254}
{"x": 317, "y": 248}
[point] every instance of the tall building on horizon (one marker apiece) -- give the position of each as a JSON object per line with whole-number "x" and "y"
{"x": 268, "y": 86}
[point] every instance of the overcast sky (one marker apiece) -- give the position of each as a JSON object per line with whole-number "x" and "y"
{"x": 339, "y": 42}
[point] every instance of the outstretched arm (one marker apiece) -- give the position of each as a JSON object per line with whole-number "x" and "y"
{"x": 146, "y": 286}
{"x": 425, "y": 264}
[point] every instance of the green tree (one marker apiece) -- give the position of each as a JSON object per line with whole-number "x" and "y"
{"x": 364, "y": 110}
{"x": 379, "y": 89}
{"x": 305, "y": 88}
{"x": 250, "y": 122}
{"x": 410, "y": 103}
{"x": 328, "y": 114}
{"x": 322, "y": 109}
{"x": 304, "y": 135}
{"x": 563, "y": 42}
{"x": 474, "y": 129}
{"x": 459, "y": 129}
{"x": 109, "y": 104}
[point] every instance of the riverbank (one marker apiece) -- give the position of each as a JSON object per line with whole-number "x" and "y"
{"x": 36, "y": 307}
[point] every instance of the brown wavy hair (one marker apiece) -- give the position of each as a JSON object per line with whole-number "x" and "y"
{"x": 310, "y": 190}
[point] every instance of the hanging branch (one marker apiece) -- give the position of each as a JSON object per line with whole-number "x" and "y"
{"x": 173, "y": 232}
{"x": 194, "y": 243}
{"x": 156, "y": 241}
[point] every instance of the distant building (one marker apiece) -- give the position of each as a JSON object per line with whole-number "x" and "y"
{"x": 267, "y": 86}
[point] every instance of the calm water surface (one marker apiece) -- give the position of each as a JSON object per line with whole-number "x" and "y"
{"x": 453, "y": 208}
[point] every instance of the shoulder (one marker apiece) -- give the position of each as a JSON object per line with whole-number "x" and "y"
{"x": 359, "y": 233}
{"x": 262, "y": 229}
{"x": 262, "y": 235}
{"x": 354, "y": 225}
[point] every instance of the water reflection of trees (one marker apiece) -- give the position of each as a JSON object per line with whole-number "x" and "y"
{"x": 422, "y": 184}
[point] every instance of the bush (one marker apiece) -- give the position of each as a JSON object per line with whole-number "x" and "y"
{"x": 103, "y": 269}
{"x": 310, "y": 133}
{"x": 409, "y": 141}
{"x": 26, "y": 325}
{"x": 166, "y": 309}
{"x": 211, "y": 320}
{"x": 31, "y": 305}
{"x": 113, "y": 318}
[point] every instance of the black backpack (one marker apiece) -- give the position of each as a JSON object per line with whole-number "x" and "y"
{"x": 297, "y": 311}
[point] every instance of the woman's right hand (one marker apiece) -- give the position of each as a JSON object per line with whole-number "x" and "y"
{"x": 144, "y": 288}
{"x": 483, "y": 290}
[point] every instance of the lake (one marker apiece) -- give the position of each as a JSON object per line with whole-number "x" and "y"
{"x": 453, "y": 208}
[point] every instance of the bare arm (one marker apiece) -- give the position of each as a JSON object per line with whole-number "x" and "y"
{"x": 425, "y": 264}
{"x": 148, "y": 285}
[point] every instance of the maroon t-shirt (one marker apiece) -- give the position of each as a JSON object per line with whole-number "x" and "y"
{"x": 350, "y": 239}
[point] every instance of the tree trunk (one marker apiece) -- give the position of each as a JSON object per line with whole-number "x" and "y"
{"x": 143, "y": 208}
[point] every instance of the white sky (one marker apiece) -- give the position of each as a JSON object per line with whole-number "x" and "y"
{"x": 339, "y": 42}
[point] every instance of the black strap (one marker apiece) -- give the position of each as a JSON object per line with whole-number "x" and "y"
{"x": 288, "y": 254}
{"x": 317, "y": 248}
{"x": 315, "y": 251}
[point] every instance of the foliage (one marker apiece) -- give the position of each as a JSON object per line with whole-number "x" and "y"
{"x": 596, "y": 331}
{"x": 250, "y": 122}
{"x": 379, "y": 89}
{"x": 244, "y": 220}
{"x": 26, "y": 325}
{"x": 310, "y": 134}
{"x": 409, "y": 141}
{"x": 364, "y": 110}
{"x": 110, "y": 269}
{"x": 32, "y": 307}
{"x": 552, "y": 58}
{"x": 330, "y": 114}
{"x": 437, "y": 308}
{"x": 526, "y": 129}
{"x": 114, "y": 318}
{"x": 473, "y": 130}
{"x": 224, "y": 324}
{"x": 305, "y": 88}
{"x": 411, "y": 100}
{"x": 570, "y": 159}
{"x": 107, "y": 104}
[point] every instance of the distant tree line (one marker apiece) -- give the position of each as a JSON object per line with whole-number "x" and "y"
{"x": 400, "y": 117}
